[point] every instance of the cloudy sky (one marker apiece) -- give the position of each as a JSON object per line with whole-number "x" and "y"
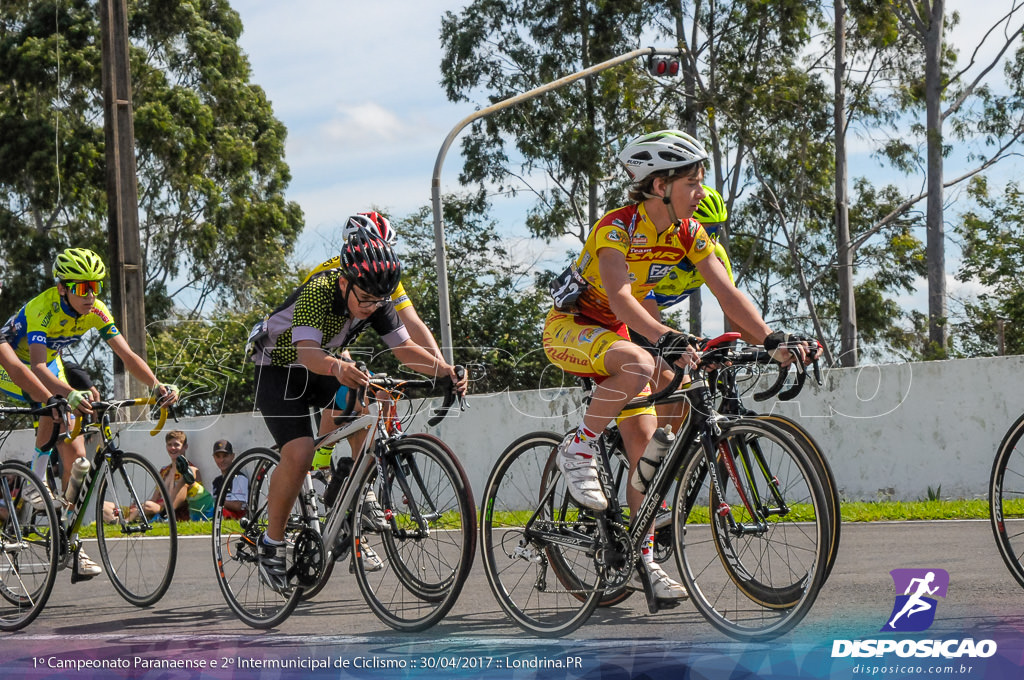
{"x": 357, "y": 85}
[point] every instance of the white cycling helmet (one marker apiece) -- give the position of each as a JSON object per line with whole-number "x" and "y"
{"x": 666, "y": 151}
{"x": 373, "y": 222}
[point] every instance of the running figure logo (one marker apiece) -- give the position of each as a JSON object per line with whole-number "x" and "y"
{"x": 914, "y": 610}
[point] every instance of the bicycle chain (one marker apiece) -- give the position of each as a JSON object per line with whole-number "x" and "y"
{"x": 619, "y": 530}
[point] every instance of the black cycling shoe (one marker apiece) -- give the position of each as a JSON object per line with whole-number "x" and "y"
{"x": 272, "y": 567}
{"x": 374, "y": 519}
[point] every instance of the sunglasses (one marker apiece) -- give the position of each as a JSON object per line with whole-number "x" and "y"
{"x": 83, "y": 288}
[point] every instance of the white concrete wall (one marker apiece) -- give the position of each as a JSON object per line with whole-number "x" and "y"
{"x": 889, "y": 431}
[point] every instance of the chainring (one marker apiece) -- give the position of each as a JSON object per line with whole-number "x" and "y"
{"x": 309, "y": 558}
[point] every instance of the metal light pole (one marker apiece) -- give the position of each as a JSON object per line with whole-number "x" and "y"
{"x": 435, "y": 184}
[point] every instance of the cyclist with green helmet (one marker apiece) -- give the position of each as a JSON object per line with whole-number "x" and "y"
{"x": 56, "y": 320}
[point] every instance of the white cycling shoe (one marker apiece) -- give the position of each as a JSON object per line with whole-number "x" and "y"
{"x": 578, "y": 463}
{"x": 665, "y": 588}
{"x": 87, "y": 568}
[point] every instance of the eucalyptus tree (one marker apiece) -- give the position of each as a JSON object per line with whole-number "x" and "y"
{"x": 978, "y": 105}
{"x": 993, "y": 248}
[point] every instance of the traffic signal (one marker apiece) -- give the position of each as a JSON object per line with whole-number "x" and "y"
{"x": 663, "y": 65}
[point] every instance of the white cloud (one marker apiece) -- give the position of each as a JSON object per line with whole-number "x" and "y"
{"x": 363, "y": 124}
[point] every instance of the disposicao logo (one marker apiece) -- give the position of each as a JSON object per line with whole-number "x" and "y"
{"x": 914, "y": 610}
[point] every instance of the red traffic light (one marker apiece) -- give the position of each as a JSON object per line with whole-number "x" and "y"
{"x": 662, "y": 66}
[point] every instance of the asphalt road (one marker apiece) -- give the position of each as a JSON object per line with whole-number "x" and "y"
{"x": 854, "y": 602}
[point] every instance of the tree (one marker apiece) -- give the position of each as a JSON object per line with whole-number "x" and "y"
{"x": 993, "y": 248}
{"x": 563, "y": 141}
{"x": 213, "y": 216}
{"x": 216, "y": 229}
{"x": 958, "y": 104}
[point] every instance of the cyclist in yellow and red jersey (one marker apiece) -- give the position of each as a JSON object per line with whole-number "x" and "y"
{"x": 55, "y": 320}
{"x": 627, "y": 253}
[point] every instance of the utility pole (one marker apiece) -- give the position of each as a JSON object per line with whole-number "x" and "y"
{"x": 127, "y": 296}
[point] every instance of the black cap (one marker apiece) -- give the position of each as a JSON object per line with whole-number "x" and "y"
{"x": 223, "y": 445}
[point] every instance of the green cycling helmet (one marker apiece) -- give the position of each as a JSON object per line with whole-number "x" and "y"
{"x": 79, "y": 264}
{"x": 711, "y": 209}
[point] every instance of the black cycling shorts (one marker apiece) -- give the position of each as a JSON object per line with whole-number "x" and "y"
{"x": 638, "y": 339}
{"x": 284, "y": 396}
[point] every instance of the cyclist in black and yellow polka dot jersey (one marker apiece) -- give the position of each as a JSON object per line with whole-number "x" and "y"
{"x": 294, "y": 372}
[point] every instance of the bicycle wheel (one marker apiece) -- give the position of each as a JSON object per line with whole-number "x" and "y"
{"x": 612, "y": 595}
{"x": 759, "y": 579}
{"x": 138, "y": 554}
{"x": 428, "y": 546}
{"x": 523, "y": 527}
{"x": 1006, "y": 499}
{"x": 235, "y": 549}
{"x": 817, "y": 459}
{"x": 28, "y": 547}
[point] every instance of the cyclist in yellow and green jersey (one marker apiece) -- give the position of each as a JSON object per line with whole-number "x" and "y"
{"x": 56, "y": 320}
{"x": 683, "y": 279}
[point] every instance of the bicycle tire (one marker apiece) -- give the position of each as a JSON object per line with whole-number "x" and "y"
{"x": 428, "y": 547}
{"x": 29, "y": 549}
{"x": 1006, "y": 499}
{"x": 817, "y": 458}
{"x": 517, "y": 558}
{"x": 751, "y": 596}
{"x": 235, "y": 546}
{"x": 563, "y": 571}
{"x": 139, "y": 564}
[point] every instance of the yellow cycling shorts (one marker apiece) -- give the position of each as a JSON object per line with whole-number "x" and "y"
{"x": 577, "y": 345}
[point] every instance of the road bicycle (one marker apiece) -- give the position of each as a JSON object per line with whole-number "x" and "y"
{"x": 138, "y": 553}
{"x": 425, "y": 552}
{"x": 751, "y": 524}
{"x": 1006, "y": 499}
{"x": 729, "y": 384}
{"x": 29, "y": 550}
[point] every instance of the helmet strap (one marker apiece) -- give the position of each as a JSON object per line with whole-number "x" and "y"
{"x": 666, "y": 198}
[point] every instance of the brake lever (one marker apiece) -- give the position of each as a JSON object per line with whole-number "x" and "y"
{"x": 801, "y": 378}
{"x": 449, "y": 399}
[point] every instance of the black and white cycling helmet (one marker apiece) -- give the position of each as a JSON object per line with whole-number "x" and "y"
{"x": 370, "y": 263}
{"x": 376, "y": 223}
{"x": 664, "y": 153}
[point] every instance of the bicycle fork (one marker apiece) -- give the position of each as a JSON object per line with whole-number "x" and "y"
{"x": 731, "y": 460}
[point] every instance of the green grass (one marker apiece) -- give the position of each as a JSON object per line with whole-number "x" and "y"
{"x": 878, "y": 511}
{"x": 160, "y": 529}
{"x": 887, "y": 511}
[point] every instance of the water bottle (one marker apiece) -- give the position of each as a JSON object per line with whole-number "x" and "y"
{"x": 79, "y": 469}
{"x": 651, "y": 460}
